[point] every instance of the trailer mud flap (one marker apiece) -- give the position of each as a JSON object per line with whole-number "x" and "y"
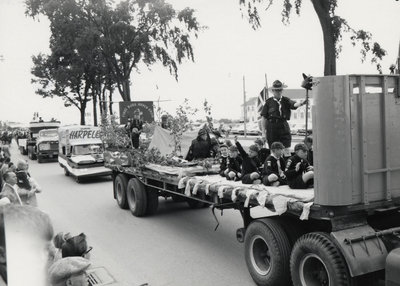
{"x": 363, "y": 255}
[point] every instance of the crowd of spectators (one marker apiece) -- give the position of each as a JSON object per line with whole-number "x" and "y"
{"x": 32, "y": 248}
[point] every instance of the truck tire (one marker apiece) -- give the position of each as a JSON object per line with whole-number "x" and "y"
{"x": 316, "y": 260}
{"x": 137, "y": 197}
{"x": 267, "y": 253}
{"x": 66, "y": 172}
{"x": 293, "y": 229}
{"x": 152, "y": 200}
{"x": 193, "y": 204}
{"x": 120, "y": 186}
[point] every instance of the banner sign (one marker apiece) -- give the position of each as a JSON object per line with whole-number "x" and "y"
{"x": 83, "y": 134}
{"x": 143, "y": 109}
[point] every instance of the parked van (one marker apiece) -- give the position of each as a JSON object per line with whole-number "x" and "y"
{"x": 81, "y": 152}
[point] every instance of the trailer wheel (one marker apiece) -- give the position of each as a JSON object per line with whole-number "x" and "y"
{"x": 152, "y": 200}
{"x": 316, "y": 260}
{"x": 293, "y": 229}
{"x": 120, "y": 187}
{"x": 267, "y": 253}
{"x": 137, "y": 197}
{"x": 193, "y": 204}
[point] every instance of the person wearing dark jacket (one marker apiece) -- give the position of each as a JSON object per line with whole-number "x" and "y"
{"x": 275, "y": 114}
{"x": 310, "y": 154}
{"x": 299, "y": 172}
{"x": 234, "y": 164}
{"x": 201, "y": 147}
{"x": 223, "y": 160}
{"x": 136, "y": 128}
{"x": 274, "y": 166}
{"x": 250, "y": 164}
{"x": 263, "y": 152}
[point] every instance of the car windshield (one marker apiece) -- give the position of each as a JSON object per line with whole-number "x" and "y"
{"x": 87, "y": 149}
{"x": 48, "y": 133}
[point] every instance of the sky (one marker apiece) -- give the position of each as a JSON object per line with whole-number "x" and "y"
{"x": 230, "y": 57}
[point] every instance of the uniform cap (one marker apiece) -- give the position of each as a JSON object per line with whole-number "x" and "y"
{"x": 223, "y": 146}
{"x": 277, "y": 85}
{"x": 64, "y": 268}
{"x": 300, "y": 146}
{"x": 233, "y": 148}
{"x": 253, "y": 148}
{"x": 259, "y": 141}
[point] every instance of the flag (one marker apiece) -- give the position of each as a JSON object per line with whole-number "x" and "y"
{"x": 262, "y": 97}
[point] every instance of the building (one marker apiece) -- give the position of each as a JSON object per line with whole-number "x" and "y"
{"x": 298, "y": 117}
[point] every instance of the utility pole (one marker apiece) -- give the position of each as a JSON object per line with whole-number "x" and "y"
{"x": 245, "y": 108}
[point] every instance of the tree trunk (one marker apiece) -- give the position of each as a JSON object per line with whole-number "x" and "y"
{"x": 110, "y": 100}
{"x": 126, "y": 88}
{"x": 321, "y": 7}
{"x": 94, "y": 96}
{"x": 82, "y": 111}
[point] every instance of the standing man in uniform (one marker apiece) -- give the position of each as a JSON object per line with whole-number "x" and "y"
{"x": 275, "y": 114}
{"x": 136, "y": 128}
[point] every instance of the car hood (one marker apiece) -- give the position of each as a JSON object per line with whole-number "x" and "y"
{"x": 87, "y": 159}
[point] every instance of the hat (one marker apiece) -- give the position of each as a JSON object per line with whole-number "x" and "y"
{"x": 202, "y": 132}
{"x": 300, "y": 146}
{"x": 259, "y": 141}
{"x": 277, "y": 145}
{"x": 277, "y": 85}
{"x": 223, "y": 146}
{"x": 74, "y": 246}
{"x": 64, "y": 268}
{"x": 253, "y": 148}
{"x": 233, "y": 148}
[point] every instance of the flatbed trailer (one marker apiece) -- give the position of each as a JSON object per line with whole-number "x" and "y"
{"x": 345, "y": 231}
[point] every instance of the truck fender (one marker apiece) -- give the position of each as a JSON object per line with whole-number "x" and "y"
{"x": 365, "y": 256}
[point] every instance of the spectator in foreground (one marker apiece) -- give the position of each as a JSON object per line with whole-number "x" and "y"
{"x": 27, "y": 183}
{"x": 69, "y": 271}
{"x": 29, "y": 234}
{"x": 10, "y": 189}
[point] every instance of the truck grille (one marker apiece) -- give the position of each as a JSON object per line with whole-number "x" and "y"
{"x": 99, "y": 276}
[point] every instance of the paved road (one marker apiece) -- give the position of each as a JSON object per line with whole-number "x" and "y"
{"x": 177, "y": 246}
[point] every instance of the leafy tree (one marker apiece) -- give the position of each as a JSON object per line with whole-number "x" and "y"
{"x": 333, "y": 26}
{"x": 141, "y": 31}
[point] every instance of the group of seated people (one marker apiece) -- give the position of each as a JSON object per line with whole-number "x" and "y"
{"x": 259, "y": 165}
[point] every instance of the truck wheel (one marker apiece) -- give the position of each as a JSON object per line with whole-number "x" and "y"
{"x": 193, "y": 204}
{"x": 316, "y": 260}
{"x": 120, "y": 185}
{"x": 66, "y": 172}
{"x": 152, "y": 200}
{"x": 293, "y": 229}
{"x": 137, "y": 197}
{"x": 177, "y": 199}
{"x": 267, "y": 253}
